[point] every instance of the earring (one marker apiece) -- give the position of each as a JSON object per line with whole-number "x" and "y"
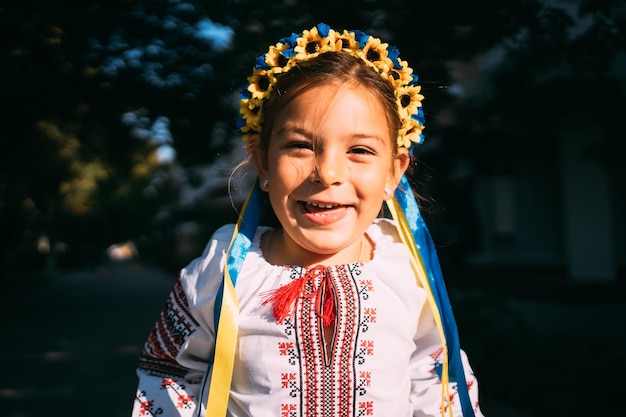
{"x": 266, "y": 183}
{"x": 386, "y": 192}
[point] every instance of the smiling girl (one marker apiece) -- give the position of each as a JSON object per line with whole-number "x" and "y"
{"x": 337, "y": 312}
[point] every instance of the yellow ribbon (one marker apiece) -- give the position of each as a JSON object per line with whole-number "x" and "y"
{"x": 225, "y": 345}
{"x": 421, "y": 275}
{"x": 226, "y": 338}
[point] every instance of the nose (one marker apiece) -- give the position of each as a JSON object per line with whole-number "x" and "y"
{"x": 330, "y": 168}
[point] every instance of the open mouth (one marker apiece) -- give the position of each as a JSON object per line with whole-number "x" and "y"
{"x": 322, "y": 209}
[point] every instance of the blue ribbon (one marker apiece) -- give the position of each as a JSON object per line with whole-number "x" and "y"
{"x": 247, "y": 224}
{"x": 251, "y": 214}
{"x": 425, "y": 246}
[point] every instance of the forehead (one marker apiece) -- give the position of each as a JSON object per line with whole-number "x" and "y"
{"x": 334, "y": 109}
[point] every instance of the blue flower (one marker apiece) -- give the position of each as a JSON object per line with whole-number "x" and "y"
{"x": 323, "y": 29}
{"x": 260, "y": 63}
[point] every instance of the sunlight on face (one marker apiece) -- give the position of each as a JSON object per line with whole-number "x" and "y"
{"x": 328, "y": 163}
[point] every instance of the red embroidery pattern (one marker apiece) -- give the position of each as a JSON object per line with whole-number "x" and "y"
{"x": 173, "y": 327}
{"x": 328, "y": 382}
{"x": 182, "y": 399}
{"x": 367, "y": 284}
{"x": 288, "y": 410}
{"x": 284, "y": 348}
{"x": 449, "y": 401}
{"x": 368, "y": 317}
{"x": 436, "y": 354}
{"x": 145, "y": 407}
{"x": 368, "y": 347}
{"x": 167, "y": 382}
{"x": 287, "y": 379}
{"x": 365, "y": 379}
{"x": 437, "y": 365}
{"x": 370, "y": 314}
{"x": 366, "y": 408}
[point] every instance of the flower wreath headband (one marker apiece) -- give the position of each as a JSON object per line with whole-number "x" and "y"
{"x": 290, "y": 51}
{"x": 412, "y": 229}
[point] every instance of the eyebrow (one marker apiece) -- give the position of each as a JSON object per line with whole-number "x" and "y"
{"x": 294, "y": 129}
{"x": 313, "y": 136}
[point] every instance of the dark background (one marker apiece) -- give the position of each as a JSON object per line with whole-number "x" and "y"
{"x": 94, "y": 93}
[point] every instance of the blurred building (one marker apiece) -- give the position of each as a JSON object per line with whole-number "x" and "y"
{"x": 568, "y": 213}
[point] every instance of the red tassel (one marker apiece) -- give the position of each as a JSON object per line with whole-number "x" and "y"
{"x": 328, "y": 310}
{"x": 282, "y": 299}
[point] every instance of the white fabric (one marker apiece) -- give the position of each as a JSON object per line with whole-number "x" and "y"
{"x": 383, "y": 360}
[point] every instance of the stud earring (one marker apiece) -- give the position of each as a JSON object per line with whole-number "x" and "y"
{"x": 386, "y": 192}
{"x": 266, "y": 183}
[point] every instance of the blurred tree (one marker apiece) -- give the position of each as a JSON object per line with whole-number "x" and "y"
{"x": 96, "y": 92}
{"x": 566, "y": 61}
{"x": 54, "y": 138}
{"x": 95, "y": 89}
{"x": 117, "y": 106}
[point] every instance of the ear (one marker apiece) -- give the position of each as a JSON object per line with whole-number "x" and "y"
{"x": 257, "y": 156}
{"x": 400, "y": 164}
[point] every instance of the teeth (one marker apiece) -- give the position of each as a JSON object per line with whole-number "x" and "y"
{"x": 322, "y": 205}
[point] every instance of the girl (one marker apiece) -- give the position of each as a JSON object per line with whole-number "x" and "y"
{"x": 337, "y": 312}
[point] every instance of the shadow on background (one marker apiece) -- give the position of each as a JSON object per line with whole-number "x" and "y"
{"x": 71, "y": 344}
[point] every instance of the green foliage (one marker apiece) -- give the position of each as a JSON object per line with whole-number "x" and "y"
{"x": 67, "y": 164}
{"x": 72, "y": 169}
{"x": 563, "y": 66}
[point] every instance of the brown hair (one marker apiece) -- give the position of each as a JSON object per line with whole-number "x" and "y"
{"x": 327, "y": 69}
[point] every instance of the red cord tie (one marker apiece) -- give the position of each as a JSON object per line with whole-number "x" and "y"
{"x": 283, "y": 298}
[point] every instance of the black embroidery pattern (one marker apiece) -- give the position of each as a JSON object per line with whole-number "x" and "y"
{"x": 330, "y": 385}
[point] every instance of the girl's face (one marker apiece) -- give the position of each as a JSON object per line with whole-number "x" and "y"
{"x": 328, "y": 163}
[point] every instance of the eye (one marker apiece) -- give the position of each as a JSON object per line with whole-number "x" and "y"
{"x": 362, "y": 150}
{"x": 298, "y": 148}
{"x": 299, "y": 145}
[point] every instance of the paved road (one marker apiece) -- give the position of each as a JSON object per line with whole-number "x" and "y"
{"x": 70, "y": 346}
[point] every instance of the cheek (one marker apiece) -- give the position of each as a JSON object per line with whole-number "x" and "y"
{"x": 289, "y": 173}
{"x": 371, "y": 187}
{"x": 374, "y": 177}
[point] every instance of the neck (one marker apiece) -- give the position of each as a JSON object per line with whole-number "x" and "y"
{"x": 279, "y": 249}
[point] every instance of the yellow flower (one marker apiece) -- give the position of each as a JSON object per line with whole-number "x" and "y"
{"x": 409, "y": 133}
{"x": 261, "y": 83}
{"x": 375, "y": 53}
{"x": 276, "y": 60}
{"x": 309, "y": 45}
{"x": 409, "y": 99}
{"x": 344, "y": 42}
{"x": 251, "y": 112}
{"x": 400, "y": 77}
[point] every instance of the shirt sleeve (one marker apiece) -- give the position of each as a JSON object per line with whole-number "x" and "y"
{"x": 175, "y": 358}
{"x": 426, "y": 361}
{"x": 426, "y": 365}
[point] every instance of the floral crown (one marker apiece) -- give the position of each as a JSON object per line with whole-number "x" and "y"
{"x": 288, "y": 52}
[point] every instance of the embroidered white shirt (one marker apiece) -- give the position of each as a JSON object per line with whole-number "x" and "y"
{"x": 382, "y": 359}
